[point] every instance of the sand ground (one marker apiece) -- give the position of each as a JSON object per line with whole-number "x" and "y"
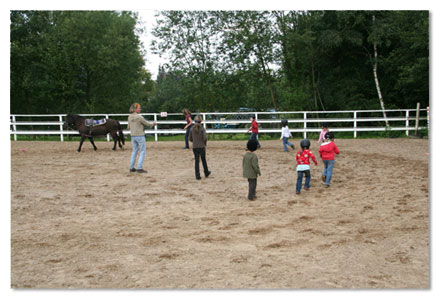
{"x": 81, "y": 220}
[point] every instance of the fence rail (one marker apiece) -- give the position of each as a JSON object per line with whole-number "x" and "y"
{"x": 238, "y": 122}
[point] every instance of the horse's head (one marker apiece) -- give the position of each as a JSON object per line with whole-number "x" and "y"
{"x": 70, "y": 121}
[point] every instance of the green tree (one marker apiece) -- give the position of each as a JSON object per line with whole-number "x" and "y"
{"x": 295, "y": 60}
{"x": 76, "y": 61}
{"x": 189, "y": 39}
{"x": 381, "y": 44}
{"x": 169, "y": 94}
{"x": 300, "y": 56}
{"x": 28, "y": 70}
{"x": 346, "y": 43}
{"x": 248, "y": 40}
{"x": 407, "y": 63}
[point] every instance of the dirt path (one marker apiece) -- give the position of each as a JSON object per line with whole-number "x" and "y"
{"x": 81, "y": 220}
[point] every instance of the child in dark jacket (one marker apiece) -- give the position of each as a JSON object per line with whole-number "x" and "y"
{"x": 327, "y": 152}
{"x": 251, "y": 169}
{"x": 303, "y": 168}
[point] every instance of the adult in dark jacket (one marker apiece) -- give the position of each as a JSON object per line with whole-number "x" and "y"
{"x": 197, "y": 136}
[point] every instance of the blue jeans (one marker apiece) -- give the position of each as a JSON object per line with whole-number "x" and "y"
{"x": 328, "y": 170}
{"x": 255, "y": 136}
{"x": 300, "y": 179}
{"x": 188, "y": 129}
{"x": 285, "y": 143}
{"x": 138, "y": 143}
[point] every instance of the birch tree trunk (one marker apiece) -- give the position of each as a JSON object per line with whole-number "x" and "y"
{"x": 376, "y": 80}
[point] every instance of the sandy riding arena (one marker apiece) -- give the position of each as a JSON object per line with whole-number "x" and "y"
{"x": 82, "y": 220}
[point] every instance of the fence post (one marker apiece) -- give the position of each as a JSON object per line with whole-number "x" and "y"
{"x": 427, "y": 118}
{"x": 256, "y": 118}
{"x": 417, "y": 117}
{"x": 355, "y": 124}
{"x": 203, "y": 120}
{"x": 155, "y": 127}
{"x": 407, "y": 122}
{"x": 305, "y": 125}
{"x": 61, "y": 127}
{"x": 14, "y": 127}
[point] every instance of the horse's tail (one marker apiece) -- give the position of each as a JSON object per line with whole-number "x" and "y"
{"x": 121, "y": 133}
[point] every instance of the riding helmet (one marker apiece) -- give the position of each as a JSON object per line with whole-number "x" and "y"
{"x": 284, "y": 122}
{"x": 305, "y": 143}
{"x": 329, "y": 135}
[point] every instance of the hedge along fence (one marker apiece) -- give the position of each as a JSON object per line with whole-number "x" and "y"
{"x": 238, "y": 122}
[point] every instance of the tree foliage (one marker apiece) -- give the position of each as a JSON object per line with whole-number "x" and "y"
{"x": 92, "y": 61}
{"x": 76, "y": 61}
{"x": 296, "y": 60}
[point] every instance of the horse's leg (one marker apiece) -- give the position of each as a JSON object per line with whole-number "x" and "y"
{"x": 93, "y": 143}
{"x": 115, "y": 138}
{"x": 119, "y": 139}
{"x": 81, "y": 142}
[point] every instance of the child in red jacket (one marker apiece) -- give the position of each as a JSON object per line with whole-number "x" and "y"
{"x": 303, "y": 168}
{"x": 327, "y": 152}
{"x": 254, "y": 131}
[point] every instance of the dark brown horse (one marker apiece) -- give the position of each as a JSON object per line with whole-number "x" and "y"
{"x": 111, "y": 126}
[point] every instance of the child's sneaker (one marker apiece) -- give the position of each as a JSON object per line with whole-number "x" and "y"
{"x": 307, "y": 189}
{"x": 298, "y": 193}
{"x": 327, "y": 185}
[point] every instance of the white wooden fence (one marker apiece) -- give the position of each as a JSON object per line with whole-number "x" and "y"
{"x": 237, "y": 122}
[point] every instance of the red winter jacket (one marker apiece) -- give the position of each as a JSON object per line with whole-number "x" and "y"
{"x": 327, "y": 150}
{"x": 304, "y": 157}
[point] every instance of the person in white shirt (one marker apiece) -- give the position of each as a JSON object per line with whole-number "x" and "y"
{"x": 285, "y": 135}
